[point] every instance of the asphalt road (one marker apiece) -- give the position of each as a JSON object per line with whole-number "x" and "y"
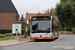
{"x": 65, "y": 42}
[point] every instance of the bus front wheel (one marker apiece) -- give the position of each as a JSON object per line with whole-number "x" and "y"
{"x": 53, "y": 37}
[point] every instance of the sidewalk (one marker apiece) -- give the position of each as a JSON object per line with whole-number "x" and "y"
{"x": 13, "y": 42}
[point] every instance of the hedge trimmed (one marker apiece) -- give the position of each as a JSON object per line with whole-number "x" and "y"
{"x": 73, "y": 30}
{"x": 67, "y": 29}
{"x": 2, "y": 35}
{"x": 3, "y": 31}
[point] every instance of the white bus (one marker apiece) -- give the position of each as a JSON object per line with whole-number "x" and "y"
{"x": 43, "y": 27}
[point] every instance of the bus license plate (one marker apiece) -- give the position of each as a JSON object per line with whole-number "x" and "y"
{"x": 40, "y": 38}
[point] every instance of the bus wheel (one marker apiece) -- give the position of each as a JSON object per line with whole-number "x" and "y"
{"x": 57, "y": 38}
{"x": 57, "y": 35}
{"x": 53, "y": 38}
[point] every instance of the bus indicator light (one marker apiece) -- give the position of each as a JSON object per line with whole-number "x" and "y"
{"x": 34, "y": 18}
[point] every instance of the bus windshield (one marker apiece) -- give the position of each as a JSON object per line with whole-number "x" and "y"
{"x": 40, "y": 26}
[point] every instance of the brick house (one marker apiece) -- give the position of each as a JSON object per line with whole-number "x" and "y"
{"x": 8, "y": 13}
{"x": 28, "y": 15}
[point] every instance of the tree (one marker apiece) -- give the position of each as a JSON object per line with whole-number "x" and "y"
{"x": 22, "y": 18}
{"x": 23, "y": 23}
{"x": 48, "y": 12}
{"x": 65, "y": 13}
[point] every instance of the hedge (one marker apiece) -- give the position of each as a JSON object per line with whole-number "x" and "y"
{"x": 9, "y": 31}
{"x": 67, "y": 29}
{"x": 2, "y": 35}
{"x": 73, "y": 30}
{"x": 61, "y": 29}
{"x": 3, "y": 31}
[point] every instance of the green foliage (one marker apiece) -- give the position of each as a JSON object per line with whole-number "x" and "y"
{"x": 65, "y": 0}
{"x": 23, "y": 25}
{"x": 48, "y": 12}
{"x": 2, "y": 35}
{"x": 7, "y": 34}
{"x": 61, "y": 29}
{"x": 73, "y": 30}
{"x": 3, "y": 31}
{"x": 22, "y": 18}
{"x": 65, "y": 13}
{"x": 55, "y": 29}
{"x": 68, "y": 29}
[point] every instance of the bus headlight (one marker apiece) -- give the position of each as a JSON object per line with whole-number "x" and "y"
{"x": 50, "y": 34}
{"x": 32, "y": 35}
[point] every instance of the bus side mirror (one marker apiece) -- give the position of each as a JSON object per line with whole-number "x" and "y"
{"x": 52, "y": 22}
{"x": 27, "y": 21}
{"x": 26, "y": 29}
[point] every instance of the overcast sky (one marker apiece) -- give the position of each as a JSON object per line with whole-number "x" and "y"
{"x": 33, "y": 6}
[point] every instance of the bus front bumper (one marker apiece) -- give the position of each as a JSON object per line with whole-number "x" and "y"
{"x": 42, "y": 37}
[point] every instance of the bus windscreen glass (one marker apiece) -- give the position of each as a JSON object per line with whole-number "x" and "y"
{"x": 40, "y": 26}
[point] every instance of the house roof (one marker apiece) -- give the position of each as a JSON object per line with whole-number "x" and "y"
{"x": 8, "y": 6}
{"x": 28, "y": 15}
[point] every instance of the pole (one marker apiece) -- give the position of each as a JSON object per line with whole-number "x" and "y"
{"x": 65, "y": 28}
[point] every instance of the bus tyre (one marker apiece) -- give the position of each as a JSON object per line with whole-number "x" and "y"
{"x": 53, "y": 38}
{"x": 57, "y": 38}
{"x": 57, "y": 35}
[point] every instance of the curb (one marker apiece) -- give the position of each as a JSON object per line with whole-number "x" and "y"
{"x": 16, "y": 44}
{"x": 68, "y": 34}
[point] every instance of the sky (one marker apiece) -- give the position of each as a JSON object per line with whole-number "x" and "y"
{"x": 33, "y": 6}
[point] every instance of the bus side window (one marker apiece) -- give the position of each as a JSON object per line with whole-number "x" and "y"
{"x": 52, "y": 24}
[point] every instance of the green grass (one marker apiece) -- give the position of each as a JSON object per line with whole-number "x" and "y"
{"x": 6, "y": 38}
{"x": 28, "y": 36}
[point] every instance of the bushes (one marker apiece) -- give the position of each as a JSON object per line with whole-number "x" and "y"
{"x": 1, "y": 35}
{"x": 4, "y": 35}
{"x": 3, "y": 31}
{"x": 73, "y": 30}
{"x": 55, "y": 29}
{"x": 61, "y": 29}
{"x": 7, "y": 34}
{"x": 67, "y": 29}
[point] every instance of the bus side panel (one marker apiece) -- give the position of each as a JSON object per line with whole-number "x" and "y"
{"x": 55, "y": 28}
